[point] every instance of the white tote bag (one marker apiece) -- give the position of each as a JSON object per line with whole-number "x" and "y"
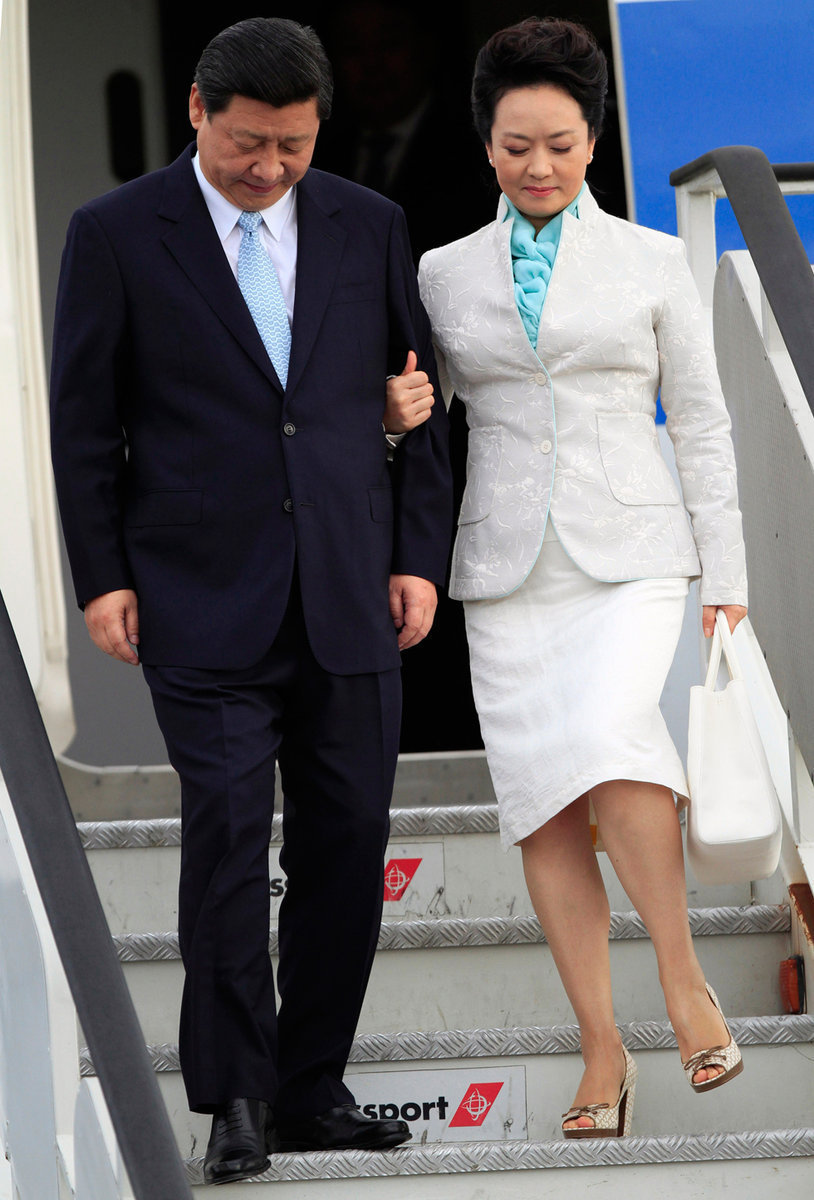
{"x": 733, "y": 820}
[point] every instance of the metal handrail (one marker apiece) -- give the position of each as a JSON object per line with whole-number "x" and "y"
{"x": 103, "y": 1003}
{"x": 752, "y": 186}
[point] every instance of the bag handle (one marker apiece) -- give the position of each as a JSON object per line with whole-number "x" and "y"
{"x": 722, "y": 643}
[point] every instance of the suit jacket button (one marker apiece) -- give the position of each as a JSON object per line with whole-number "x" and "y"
{"x": 541, "y": 377}
{"x": 289, "y": 430}
{"x": 288, "y": 505}
{"x": 545, "y": 446}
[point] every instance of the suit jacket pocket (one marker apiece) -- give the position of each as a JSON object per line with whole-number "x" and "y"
{"x": 165, "y": 508}
{"x": 484, "y": 454}
{"x": 381, "y": 504}
{"x": 632, "y": 459}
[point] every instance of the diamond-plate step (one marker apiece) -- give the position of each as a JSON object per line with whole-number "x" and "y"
{"x": 749, "y": 1166}
{"x": 498, "y": 971}
{"x": 432, "y": 1072}
{"x": 443, "y": 861}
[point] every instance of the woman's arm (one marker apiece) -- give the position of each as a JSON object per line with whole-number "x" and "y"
{"x": 699, "y": 427}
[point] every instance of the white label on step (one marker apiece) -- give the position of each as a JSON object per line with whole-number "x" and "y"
{"x": 277, "y": 881}
{"x": 459, "y": 1105}
{"x": 413, "y": 880}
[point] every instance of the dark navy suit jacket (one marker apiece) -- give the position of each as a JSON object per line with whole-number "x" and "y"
{"x": 185, "y": 472}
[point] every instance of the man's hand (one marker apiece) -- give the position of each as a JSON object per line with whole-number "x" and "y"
{"x": 409, "y": 398}
{"x": 112, "y": 621}
{"x": 412, "y": 606}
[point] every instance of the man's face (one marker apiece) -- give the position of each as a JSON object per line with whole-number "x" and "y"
{"x": 251, "y": 152}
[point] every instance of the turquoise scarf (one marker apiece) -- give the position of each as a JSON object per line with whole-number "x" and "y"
{"x": 533, "y": 260}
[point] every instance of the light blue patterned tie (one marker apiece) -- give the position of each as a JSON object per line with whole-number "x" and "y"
{"x": 260, "y": 286}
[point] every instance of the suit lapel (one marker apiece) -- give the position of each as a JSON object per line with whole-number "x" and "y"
{"x": 320, "y": 241}
{"x": 192, "y": 240}
{"x": 569, "y": 277}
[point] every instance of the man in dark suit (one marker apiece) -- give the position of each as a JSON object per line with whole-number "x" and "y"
{"x": 236, "y": 521}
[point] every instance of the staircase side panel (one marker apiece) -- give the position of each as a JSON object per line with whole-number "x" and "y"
{"x": 773, "y": 433}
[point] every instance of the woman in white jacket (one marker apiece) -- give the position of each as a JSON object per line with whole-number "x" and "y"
{"x": 557, "y": 325}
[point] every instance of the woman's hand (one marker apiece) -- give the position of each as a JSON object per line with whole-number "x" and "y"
{"x": 734, "y": 614}
{"x": 409, "y": 398}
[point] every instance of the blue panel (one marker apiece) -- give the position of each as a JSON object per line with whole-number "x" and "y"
{"x": 699, "y": 74}
{"x": 706, "y": 73}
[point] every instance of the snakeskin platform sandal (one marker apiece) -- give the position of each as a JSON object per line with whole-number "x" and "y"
{"x": 608, "y": 1120}
{"x": 728, "y": 1058}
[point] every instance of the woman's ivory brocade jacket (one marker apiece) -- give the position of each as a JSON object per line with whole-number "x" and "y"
{"x": 570, "y": 430}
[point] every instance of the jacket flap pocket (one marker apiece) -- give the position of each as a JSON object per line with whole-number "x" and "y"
{"x": 632, "y": 459}
{"x": 484, "y": 454}
{"x": 165, "y": 508}
{"x": 381, "y": 504}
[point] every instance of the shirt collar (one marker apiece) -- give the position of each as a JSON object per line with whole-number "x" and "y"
{"x": 225, "y": 214}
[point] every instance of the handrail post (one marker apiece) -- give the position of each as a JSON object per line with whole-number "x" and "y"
{"x": 746, "y": 177}
{"x": 695, "y": 212}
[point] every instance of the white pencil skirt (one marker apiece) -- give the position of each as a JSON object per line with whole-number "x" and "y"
{"x": 567, "y": 674}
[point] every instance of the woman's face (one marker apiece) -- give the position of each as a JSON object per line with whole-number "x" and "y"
{"x": 540, "y": 149}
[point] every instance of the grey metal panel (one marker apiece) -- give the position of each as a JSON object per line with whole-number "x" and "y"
{"x": 776, "y": 483}
{"x": 103, "y": 1002}
{"x": 404, "y": 822}
{"x": 522, "y": 1156}
{"x": 459, "y": 1044}
{"x": 455, "y": 778}
{"x": 560, "y": 1039}
{"x": 493, "y": 931}
{"x": 118, "y": 835}
{"x": 29, "y": 1134}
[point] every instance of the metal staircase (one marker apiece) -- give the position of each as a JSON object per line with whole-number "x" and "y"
{"x": 466, "y": 1030}
{"x": 465, "y": 1002}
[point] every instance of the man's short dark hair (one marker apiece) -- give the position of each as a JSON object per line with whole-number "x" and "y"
{"x": 269, "y": 59}
{"x": 535, "y": 52}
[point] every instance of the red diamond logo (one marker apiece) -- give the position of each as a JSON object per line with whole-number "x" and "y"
{"x": 398, "y": 875}
{"x": 475, "y": 1105}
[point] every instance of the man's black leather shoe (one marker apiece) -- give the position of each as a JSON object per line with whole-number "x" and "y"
{"x": 239, "y": 1145}
{"x": 342, "y": 1128}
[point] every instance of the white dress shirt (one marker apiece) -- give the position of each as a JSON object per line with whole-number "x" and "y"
{"x": 278, "y": 233}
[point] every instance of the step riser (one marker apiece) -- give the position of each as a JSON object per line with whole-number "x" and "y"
{"x": 749, "y": 1180}
{"x": 483, "y": 987}
{"x": 130, "y": 793}
{"x": 518, "y": 985}
{"x": 465, "y": 875}
{"x": 776, "y": 1080}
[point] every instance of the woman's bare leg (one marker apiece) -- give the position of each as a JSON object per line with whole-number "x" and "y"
{"x": 569, "y": 898}
{"x": 641, "y": 833}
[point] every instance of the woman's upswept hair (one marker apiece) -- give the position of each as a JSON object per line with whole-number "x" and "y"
{"x": 537, "y": 51}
